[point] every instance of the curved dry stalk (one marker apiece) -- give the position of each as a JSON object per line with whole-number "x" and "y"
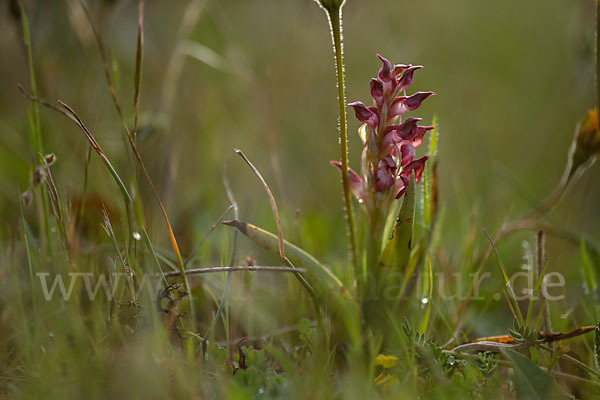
{"x": 489, "y": 346}
{"x": 271, "y": 201}
{"x": 251, "y": 268}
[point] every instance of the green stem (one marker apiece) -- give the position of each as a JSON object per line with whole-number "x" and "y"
{"x": 36, "y": 134}
{"x": 335, "y": 22}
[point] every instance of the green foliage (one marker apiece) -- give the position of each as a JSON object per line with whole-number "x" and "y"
{"x": 266, "y": 335}
{"x": 396, "y": 253}
{"x": 523, "y": 334}
{"x": 530, "y": 381}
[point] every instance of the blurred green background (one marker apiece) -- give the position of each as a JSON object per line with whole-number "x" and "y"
{"x": 512, "y": 79}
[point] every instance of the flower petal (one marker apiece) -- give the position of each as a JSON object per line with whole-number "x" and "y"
{"x": 385, "y": 75}
{"x": 355, "y": 181}
{"x": 403, "y": 104}
{"x": 401, "y": 185}
{"x": 420, "y": 131}
{"x": 417, "y": 166}
{"x": 406, "y": 130}
{"x": 377, "y": 91}
{"x": 365, "y": 114}
{"x": 408, "y": 153}
{"x": 385, "y": 72}
{"x": 413, "y": 102}
{"x": 407, "y": 77}
{"x": 384, "y": 174}
{"x": 399, "y": 68}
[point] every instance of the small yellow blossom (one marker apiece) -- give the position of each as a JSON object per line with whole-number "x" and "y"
{"x": 386, "y": 362}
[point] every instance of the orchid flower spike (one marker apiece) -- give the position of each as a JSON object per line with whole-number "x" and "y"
{"x": 389, "y": 141}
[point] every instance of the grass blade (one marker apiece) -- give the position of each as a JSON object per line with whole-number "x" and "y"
{"x": 587, "y": 268}
{"x": 429, "y": 189}
{"x": 138, "y": 66}
{"x": 425, "y": 321}
{"x": 510, "y": 294}
{"x": 536, "y": 289}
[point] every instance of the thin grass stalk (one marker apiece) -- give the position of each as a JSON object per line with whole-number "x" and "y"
{"x": 86, "y": 173}
{"x": 273, "y": 204}
{"x": 141, "y": 164}
{"x": 36, "y": 129}
{"x": 29, "y": 260}
{"x": 223, "y": 301}
{"x": 138, "y": 67}
{"x": 55, "y": 203}
{"x": 335, "y": 23}
{"x": 191, "y": 255}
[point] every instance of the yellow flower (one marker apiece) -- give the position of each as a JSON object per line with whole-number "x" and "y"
{"x": 386, "y": 361}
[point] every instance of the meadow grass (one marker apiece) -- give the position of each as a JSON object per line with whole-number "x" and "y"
{"x": 125, "y": 278}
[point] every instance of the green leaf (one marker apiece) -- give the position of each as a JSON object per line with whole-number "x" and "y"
{"x": 588, "y": 270}
{"x": 428, "y": 205}
{"x": 304, "y": 326}
{"x": 396, "y": 253}
{"x": 530, "y": 381}
{"x": 328, "y": 289}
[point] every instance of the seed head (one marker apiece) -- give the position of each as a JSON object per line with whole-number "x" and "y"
{"x": 331, "y": 5}
{"x": 586, "y": 144}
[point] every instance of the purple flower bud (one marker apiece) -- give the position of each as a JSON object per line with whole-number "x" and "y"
{"x": 420, "y": 131}
{"x": 377, "y": 91}
{"x": 407, "y": 77}
{"x": 385, "y": 72}
{"x": 399, "y": 68}
{"x": 413, "y": 102}
{"x": 397, "y": 134}
{"x": 356, "y": 185}
{"x": 408, "y": 153}
{"x": 417, "y": 166}
{"x": 365, "y": 114}
{"x": 403, "y": 104}
{"x": 406, "y": 130}
{"x": 385, "y": 75}
{"x": 401, "y": 185}
{"x": 384, "y": 174}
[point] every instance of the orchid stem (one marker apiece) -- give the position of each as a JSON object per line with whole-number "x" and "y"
{"x": 335, "y": 22}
